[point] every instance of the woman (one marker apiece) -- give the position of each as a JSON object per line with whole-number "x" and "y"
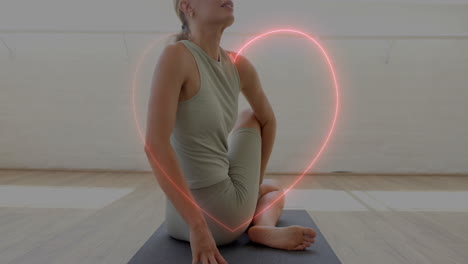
{"x": 192, "y": 108}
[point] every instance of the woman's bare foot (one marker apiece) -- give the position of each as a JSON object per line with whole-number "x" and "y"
{"x": 293, "y": 237}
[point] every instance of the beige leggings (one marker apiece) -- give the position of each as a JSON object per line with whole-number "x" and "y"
{"x": 232, "y": 201}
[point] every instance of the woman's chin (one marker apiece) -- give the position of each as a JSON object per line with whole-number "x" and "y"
{"x": 230, "y": 21}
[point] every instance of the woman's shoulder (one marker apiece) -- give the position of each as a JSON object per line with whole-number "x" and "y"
{"x": 241, "y": 62}
{"x": 174, "y": 61}
{"x": 177, "y": 50}
{"x": 176, "y": 54}
{"x": 243, "y": 65}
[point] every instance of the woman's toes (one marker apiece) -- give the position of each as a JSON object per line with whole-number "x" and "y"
{"x": 309, "y": 239}
{"x": 299, "y": 247}
{"x": 310, "y": 232}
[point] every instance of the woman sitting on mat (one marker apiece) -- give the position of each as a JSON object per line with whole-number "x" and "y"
{"x": 216, "y": 156}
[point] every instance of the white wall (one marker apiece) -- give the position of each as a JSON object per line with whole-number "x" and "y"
{"x": 66, "y": 71}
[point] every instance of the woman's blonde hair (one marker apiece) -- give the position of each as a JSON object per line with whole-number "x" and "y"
{"x": 185, "y": 32}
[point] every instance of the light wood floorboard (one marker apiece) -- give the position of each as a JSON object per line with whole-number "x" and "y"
{"x": 379, "y": 233}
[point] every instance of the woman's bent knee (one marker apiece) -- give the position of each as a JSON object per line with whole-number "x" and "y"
{"x": 247, "y": 118}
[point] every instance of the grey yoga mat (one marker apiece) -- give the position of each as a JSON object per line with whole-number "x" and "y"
{"x": 162, "y": 248}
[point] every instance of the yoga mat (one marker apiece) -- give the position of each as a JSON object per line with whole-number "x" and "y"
{"x": 162, "y": 248}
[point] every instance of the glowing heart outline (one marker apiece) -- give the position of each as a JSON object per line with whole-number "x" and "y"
{"x": 234, "y": 60}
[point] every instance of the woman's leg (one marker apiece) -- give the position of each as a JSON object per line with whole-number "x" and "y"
{"x": 247, "y": 119}
{"x": 270, "y": 191}
{"x": 245, "y": 172}
{"x": 263, "y": 228}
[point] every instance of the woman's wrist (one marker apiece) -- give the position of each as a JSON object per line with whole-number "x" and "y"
{"x": 198, "y": 225}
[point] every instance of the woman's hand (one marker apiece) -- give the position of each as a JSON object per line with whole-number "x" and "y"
{"x": 203, "y": 247}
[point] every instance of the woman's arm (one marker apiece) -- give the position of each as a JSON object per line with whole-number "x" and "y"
{"x": 168, "y": 79}
{"x": 252, "y": 90}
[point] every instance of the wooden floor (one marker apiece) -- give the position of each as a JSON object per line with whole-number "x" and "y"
{"x": 365, "y": 219}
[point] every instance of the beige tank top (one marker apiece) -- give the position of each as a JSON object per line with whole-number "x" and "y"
{"x": 204, "y": 121}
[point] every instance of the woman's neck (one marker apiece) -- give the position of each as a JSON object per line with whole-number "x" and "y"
{"x": 208, "y": 40}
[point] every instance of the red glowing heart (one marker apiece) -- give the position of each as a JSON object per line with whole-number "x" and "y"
{"x": 234, "y": 59}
